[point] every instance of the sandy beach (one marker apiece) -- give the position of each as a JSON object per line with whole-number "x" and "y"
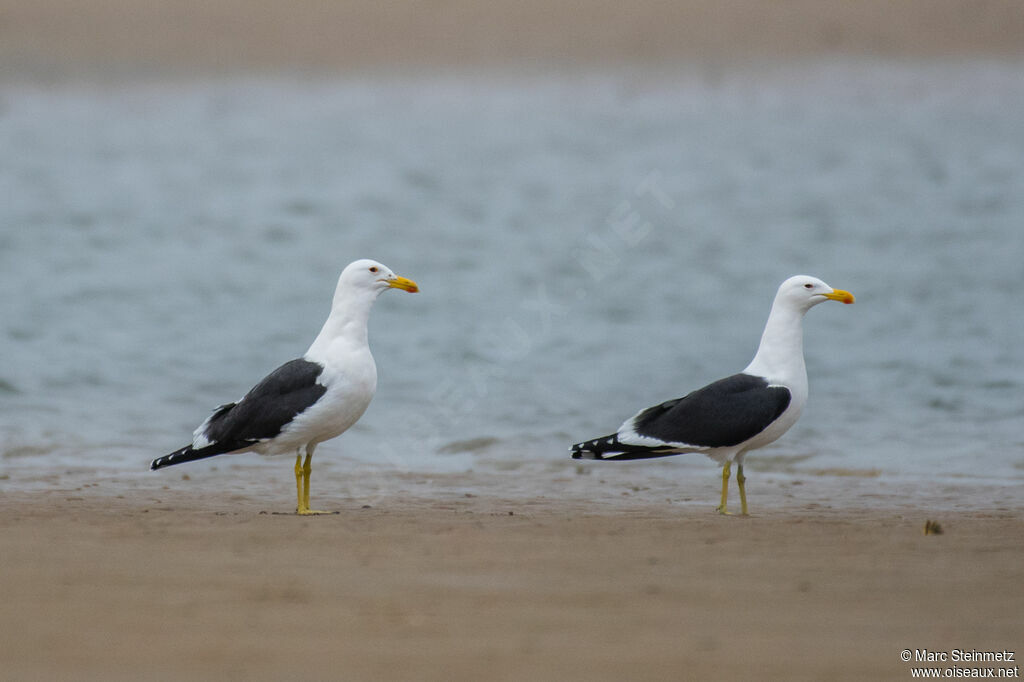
{"x": 173, "y": 578}
{"x": 111, "y": 39}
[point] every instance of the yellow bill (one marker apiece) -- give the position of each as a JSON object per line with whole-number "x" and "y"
{"x": 404, "y": 284}
{"x": 841, "y": 296}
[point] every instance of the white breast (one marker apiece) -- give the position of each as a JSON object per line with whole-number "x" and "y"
{"x": 350, "y": 376}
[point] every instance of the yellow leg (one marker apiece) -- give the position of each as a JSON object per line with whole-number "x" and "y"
{"x": 725, "y": 488}
{"x": 740, "y": 480}
{"x": 307, "y": 469}
{"x": 298, "y": 483}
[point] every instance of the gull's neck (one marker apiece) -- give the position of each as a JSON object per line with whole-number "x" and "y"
{"x": 780, "y": 357}
{"x": 346, "y": 326}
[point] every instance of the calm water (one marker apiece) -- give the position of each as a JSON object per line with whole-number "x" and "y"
{"x": 586, "y": 246}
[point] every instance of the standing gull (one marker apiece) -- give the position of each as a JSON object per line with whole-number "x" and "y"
{"x": 743, "y": 412}
{"x": 308, "y": 400}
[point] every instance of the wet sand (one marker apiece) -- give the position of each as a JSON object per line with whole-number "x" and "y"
{"x": 149, "y": 577}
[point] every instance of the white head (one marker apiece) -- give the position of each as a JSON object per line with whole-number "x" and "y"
{"x": 369, "y": 276}
{"x": 780, "y": 355}
{"x": 803, "y": 292}
{"x": 359, "y": 286}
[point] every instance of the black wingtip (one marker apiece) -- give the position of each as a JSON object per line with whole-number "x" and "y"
{"x": 578, "y": 449}
{"x": 588, "y": 449}
{"x": 595, "y": 448}
{"x": 185, "y": 454}
{"x": 190, "y": 454}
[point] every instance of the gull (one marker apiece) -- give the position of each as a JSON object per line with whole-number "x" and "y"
{"x": 311, "y": 399}
{"x": 732, "y": 416}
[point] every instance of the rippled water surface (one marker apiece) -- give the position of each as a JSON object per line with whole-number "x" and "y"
{"x": 586, "y": 246}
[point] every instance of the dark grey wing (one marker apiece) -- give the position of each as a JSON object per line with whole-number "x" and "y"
{"x": 722, "y": 414}
{"x": 271, "y": 405}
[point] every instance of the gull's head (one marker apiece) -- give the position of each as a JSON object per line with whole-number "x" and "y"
{"x": 804, "y": 292}
{"x": 369, "y": 275}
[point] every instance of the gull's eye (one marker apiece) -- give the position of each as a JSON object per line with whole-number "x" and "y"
{"x": 808, "y": 286}
{"x": 374, "y": 268}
